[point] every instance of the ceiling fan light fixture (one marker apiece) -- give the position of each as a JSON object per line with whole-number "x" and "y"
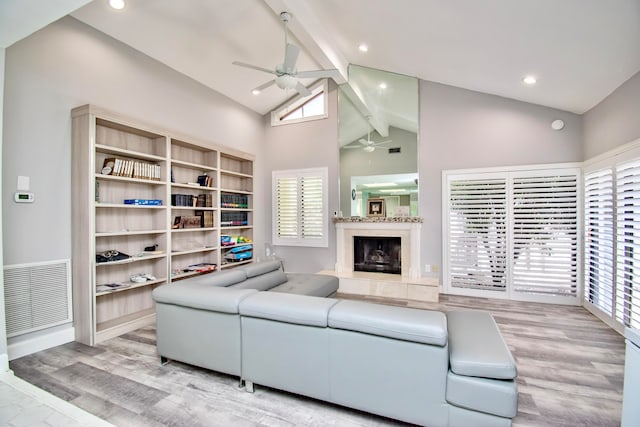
{"x": 286, "y": 82}
{"x": 369, "y": 148}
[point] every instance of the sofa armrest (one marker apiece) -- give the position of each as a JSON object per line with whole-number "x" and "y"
{"x": 224, "y": 300}
{"x": 476, "y": 347}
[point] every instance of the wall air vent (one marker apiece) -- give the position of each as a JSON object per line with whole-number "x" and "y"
{"x": 37, "y": 296}
{"x": 394, "y": 150}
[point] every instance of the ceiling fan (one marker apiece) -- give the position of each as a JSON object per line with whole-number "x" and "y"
{"x": 287, "y": 76}
{"x": 367, "y": 144}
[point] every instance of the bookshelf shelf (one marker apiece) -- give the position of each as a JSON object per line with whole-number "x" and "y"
{"x": 129, "y": 233}
{"x": 130, "y": 180}
{"x": 102, "y": 221}
{"x": 100, "y": 148}
{"x": 132, "y": 286}
{"x": 235, "y": 264}
{"x": 190, "y": 165}
{"x": 193, "y": 251}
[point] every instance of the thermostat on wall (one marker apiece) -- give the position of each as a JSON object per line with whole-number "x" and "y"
{"x": 23, "y": 197}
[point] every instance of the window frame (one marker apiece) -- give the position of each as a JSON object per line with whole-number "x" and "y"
{"x": 300, "y": 239}
{"x": 298, "y": 102}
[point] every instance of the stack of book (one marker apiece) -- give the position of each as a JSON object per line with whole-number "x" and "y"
{"x": 207, "y": 218}
{"x": 187, "y": 222}
{"x": 205, "y": 201}
{"x": 238, "y": 201}
{"x": 130, "y": 169}
{"x": 182, "y": 200}
{"x": 205, "y": 180}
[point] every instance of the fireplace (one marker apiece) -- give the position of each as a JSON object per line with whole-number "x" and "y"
{"x": 377, "y": 254}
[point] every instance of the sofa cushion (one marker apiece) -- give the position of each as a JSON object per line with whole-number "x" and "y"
{"x": 263, "y": 281}
{"x": 317, "y": 285}
{"x": 423, "y": 326}
{"x": 258, "y": 268}
{"x": 224, "y": 300}
{"x": 289, "y": 308}
{"x": 496, "y": 397}
{"x": 476, "y": 347}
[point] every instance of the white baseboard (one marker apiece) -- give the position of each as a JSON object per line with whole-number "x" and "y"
{"x": 4, "y": 362}
{"x": 41, "y": 342}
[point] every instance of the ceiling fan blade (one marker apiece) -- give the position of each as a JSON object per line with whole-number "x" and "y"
{"x": 290, "y": 58}
{"x": 317, "y": 74}
{"x": 253, "y": 67}
{"x": 302, "y": 89}
{"x": 265, "y": 85}
{"x": 381, "y": 142}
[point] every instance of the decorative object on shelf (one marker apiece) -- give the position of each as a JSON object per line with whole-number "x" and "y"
{"x": 226, "y": 240}
{"x": 375, "y": 208}
{"x": 239, "y": 253}
{"x": 111, "y": 256}
{"x": 202, "y": 267}
{"x": 110, "y": 287}
{"x": 143, "y": 202}
{"x": 205, "y": 181}
{"x": 142, "y": 277}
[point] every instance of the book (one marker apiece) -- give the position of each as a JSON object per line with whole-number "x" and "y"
{"x": 146, "y": 202}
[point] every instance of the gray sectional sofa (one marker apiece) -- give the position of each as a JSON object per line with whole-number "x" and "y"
{"x": 419, "y": 366}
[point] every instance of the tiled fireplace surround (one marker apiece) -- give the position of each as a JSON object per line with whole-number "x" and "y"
{"x": 408, "y": 285}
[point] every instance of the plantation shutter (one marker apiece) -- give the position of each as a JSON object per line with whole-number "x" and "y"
{"x": 627, "y": 305}
{"x": 287, "y": 202}
{"x": 312, "y": 209}
{"x": 299, "y": 207}
{"x": 477, "y": 244}
{"x": 599, "y": 238}
{"x": 545, "y": 239}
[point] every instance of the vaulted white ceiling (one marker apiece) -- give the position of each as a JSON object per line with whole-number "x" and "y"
{"x": 580, "y": 50}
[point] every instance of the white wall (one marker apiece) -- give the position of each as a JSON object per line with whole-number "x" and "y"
{"x": 4, "y": 357}
{"x": 68, "y": 64}
{"x": 461, "y": 129}
{"x": 614, "y": 121}
{"x": 297, "y": 146}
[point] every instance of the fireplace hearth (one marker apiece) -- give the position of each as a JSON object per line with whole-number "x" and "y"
{"x": 377, "y": 254}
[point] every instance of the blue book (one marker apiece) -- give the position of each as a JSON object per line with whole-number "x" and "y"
{"x": 148, "y": 202}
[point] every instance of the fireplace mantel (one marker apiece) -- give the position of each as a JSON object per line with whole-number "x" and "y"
{"x": 407, "y": 228}
{"x": 408, "y": 285}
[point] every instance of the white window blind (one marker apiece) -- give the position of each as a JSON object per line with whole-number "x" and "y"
{"x": 300, "y": 207}
{"x": 477, "y": 243}
{"x": 627, "y": 304}
{"x": 598, "y": 239}
{"x": 515, "y": 232}
{"x": 545, "y": 239}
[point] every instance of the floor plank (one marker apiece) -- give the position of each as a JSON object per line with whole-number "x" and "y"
{"x": 570, "y": 373}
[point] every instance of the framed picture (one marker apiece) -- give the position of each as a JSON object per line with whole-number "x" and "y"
{"x": 375, "y": 207}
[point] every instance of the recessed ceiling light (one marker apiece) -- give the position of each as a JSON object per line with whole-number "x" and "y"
{"x": 363, "y": 48}
{"x": 255, "y": 92}
{"x": 529, "y": 80}
{"x": 116, "y": 4}
{"x": 383, "y": 85}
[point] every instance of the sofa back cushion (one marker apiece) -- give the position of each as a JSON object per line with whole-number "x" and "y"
{"x": 263, "y": 282}
{"x": 258, "y": 268}
{"x": 216, "y": 279}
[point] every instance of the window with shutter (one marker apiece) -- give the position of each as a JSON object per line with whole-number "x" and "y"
{"x": 598, "y": 239}
{"x": 477, "y": 240}
{"x": 300, "y": 207}
{"x": 627, "y": 304}
{"x": 513, "y": 234}
{"x": 545, "y": 235}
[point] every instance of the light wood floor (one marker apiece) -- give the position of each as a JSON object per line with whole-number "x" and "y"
{"x": 570, "y": 373}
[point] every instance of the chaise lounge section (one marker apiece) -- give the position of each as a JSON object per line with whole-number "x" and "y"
{"x": 419, "y": 366}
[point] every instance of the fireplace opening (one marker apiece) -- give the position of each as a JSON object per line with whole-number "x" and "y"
{"x": 377, "y": 254}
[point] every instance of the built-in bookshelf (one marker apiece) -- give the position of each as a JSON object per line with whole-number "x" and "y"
{"x": 149, "y": 207}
